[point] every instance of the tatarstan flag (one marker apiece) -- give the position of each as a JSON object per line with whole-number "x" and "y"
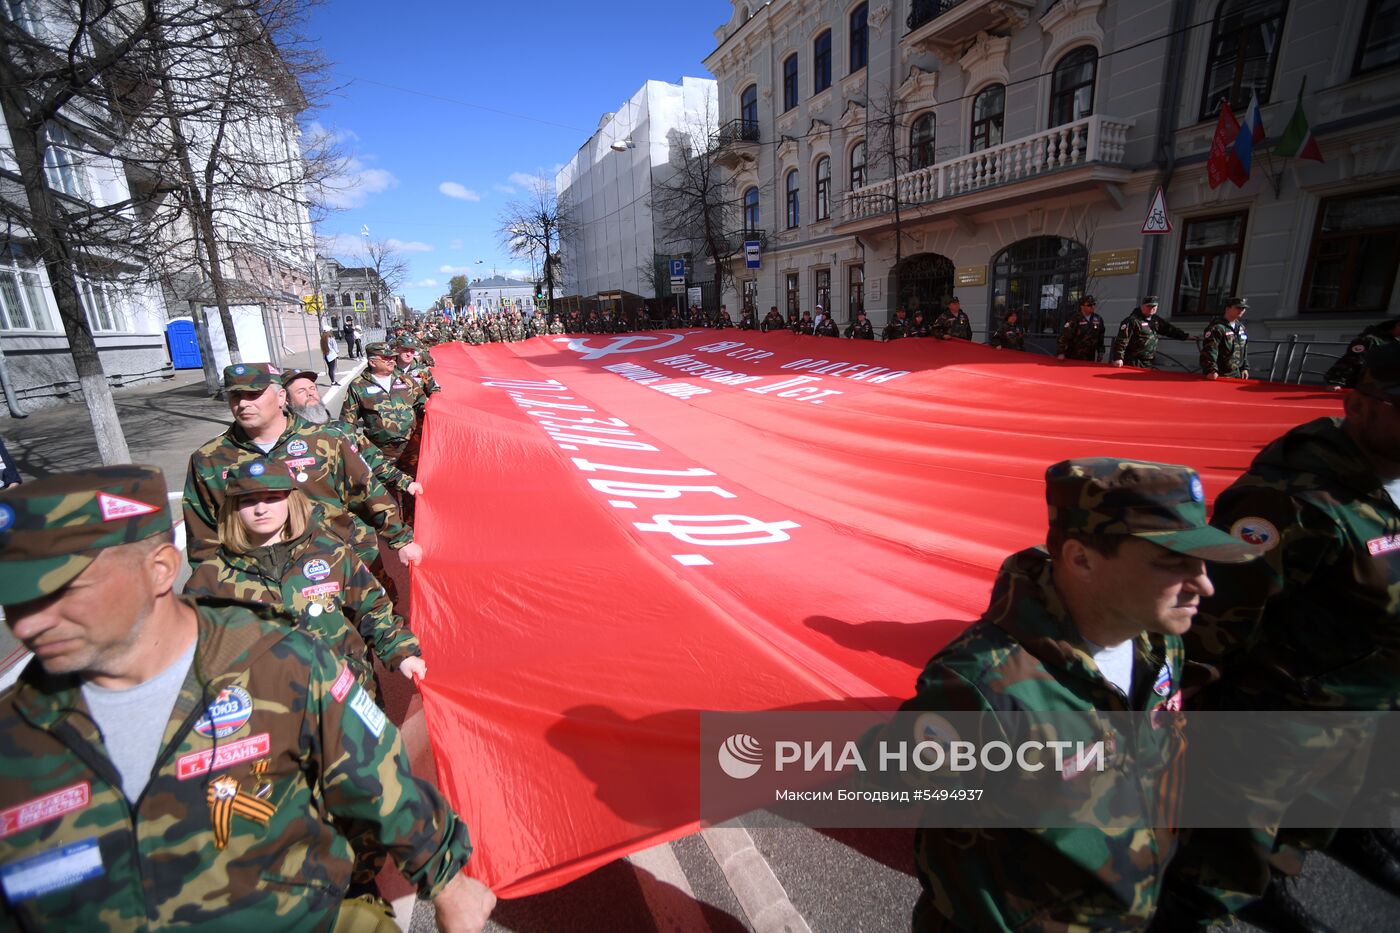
{"x": 1298, "y": 139}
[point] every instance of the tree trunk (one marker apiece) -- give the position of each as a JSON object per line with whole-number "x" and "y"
{"x": 58, "y": 260}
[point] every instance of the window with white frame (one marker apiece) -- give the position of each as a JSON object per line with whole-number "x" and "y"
{"x": 23, "y": 299}
{"x": 63, "y": 164}
{"x": 857, "y": 166}
{"x": 105, "y": 306}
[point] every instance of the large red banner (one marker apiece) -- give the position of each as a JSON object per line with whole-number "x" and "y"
{"x": 622, "y": 531}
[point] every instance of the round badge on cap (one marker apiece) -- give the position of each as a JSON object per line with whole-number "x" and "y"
{"x": 1198, "y": 492}
{"x": 239, "y": 370}
{"x": 7, "y": 516}
{"x": 257, "y": 469}
{"x": 1257, "y": 531}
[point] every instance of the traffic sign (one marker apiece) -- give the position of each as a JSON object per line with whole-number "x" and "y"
{"x": 311, "y": 304}
{"x": 677, "y": 269}
{"x": 1157, "y": 221}
{"x": 360, "y": 305}
{"x": 751, "y": 254}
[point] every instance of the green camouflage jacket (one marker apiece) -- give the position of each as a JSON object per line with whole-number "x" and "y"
{"x": 1008, "y": 337}
{"x": 1024, "y": 656}
{"x": 388, "y": 418}
{"x": 424, "y": 376}
{"x": 1082, "y": 338}
{"x": 269, "y": 740}
{"x": 1347, "y": 370}
{"x": 1315, "y": 622}
{"x": 949, "y": 324}
{"x": 324, "y": 587}
{"x": 382, "y": 468}
{"x": 1136, "y": 343}
{"x": 327, "y": 469}
{"x": 1223, "y": 349}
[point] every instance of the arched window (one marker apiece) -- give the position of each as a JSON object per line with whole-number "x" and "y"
{"x": 821, "y": 62}
{"x": 751, "y": 210}
{"x": 1072, "y": 87}
{"x": 921, "y": 142}
{"x": 860, "y": 38}
{"x": 793, "y": 198}
{"x": 988, "y": 107}
{"x": 823, "y": 193}
{"x": 345, "y": 301}
{"x": 1243, "y": 50}
{"x": 748, "y": 105}
{"x": 857, "y": 166}
{"x": 789, "y": 82}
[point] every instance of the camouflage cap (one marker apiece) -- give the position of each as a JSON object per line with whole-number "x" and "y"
{"x": 378, "y": 348}
{"x": 1150, "y": 300}
{"x": 1089, "y": 300}
{"x": 405, "y": 343}
{"x": 293, "y": 375}
{"x": 1157, "y": 502}
{"x": 251, "y": 377}
{"x": 51, "y": 529}
{"x": 1380, "y": 371}
{"x": 259, "y": 476}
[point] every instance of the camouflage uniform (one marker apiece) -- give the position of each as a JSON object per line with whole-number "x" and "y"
{"x": 389, "y": 418}
{"x": 1136, "y": 343}
{"x": 267, "y": 737}
{"x": 1025, "y": 656}
{"x": 861, "y": 329}
{"x": 556, "y": 326}
{"x": 1344, "y": 373}
{"x": 1223, "y": 348}
{"x": 1082, "y": 338}
{"x": 953, "y": 324}
{"x": 324, "y": 588}
{"x": 772, "y": 321}
{"x": 335, "y": 475}
{"x": 895, "y": 329}
{"x": 1008, "y": 336}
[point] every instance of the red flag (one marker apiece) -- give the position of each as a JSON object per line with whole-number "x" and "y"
{"x": 1223, "y": 163}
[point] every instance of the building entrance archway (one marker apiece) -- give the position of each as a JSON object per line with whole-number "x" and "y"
{"x": 923, "y": 282}
{"x": 1042, "y": 277}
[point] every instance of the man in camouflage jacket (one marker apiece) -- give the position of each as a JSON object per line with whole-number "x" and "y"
{"x": 1124, "y": 569}
{"x": 953, "y": 322}
{"x": 1224, "y": 344}
{"x": 385, "y": 404}
{"x": 216, "y": 808}
{"x": 1082, "y": 336}
{"x": 410, "y": 362}
{"x": 1136, "y": 343}
{"x": 1313, "y": 626}
{"x": 327, "y": 469}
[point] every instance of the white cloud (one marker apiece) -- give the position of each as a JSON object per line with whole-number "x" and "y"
{"x": 455, "y": 244}
{"x": 353, "y": 186}
{"x": 413, "y": 246}
{"x": 317, "y": 133}
{"x": 455, "y": 270}
{"x": 426, "y": 283}
{"x": 504, "y": 189}
{"x": 341, "y": 245}
{"x": 522, "y": 274}
{"x": 529, "y": 182}
{"x": 461, "y": 193}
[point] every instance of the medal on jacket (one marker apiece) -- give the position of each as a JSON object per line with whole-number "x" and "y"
{"x": 227, "y": 798}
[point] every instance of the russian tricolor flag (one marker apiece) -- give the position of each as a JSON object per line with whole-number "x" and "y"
{"x": 1251, "y": 133}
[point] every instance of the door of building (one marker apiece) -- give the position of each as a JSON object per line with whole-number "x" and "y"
{"x": 184, "y": 345}
{"x": 1041, "y": 277}
{"x": 923, "y": 283}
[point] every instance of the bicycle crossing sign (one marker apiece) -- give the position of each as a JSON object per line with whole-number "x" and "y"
{"x": 1157, "y": 221}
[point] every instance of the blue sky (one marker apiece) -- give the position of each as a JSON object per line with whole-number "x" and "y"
{"x": 446, "y": 107}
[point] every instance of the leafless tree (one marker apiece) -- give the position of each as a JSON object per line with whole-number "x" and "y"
{"x": 389, "y": 265}
{"x": 531, "y": 228}
{"x": 697, "y": 203}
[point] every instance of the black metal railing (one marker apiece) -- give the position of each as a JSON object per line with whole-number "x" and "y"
{"x": 736, "y": 131}
{"x": 925, "y": 10}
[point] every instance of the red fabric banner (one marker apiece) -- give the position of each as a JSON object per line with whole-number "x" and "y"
{"x": 624, "y": 531}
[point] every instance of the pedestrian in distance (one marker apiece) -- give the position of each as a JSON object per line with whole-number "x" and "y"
{"x": 1136, "y": 343}
{"x": 896, "y": 328}
{"x": 860, "y": 328}
{"x": 1091, "y": 624}
{"x": 953, "y": 322}
{"x": 1224, "y": 345}
{"x": 1082, "y": 336}
{"x": 190, "y": 762}
{"x": 329, "y": 352}
{"x": 772, "y": 321}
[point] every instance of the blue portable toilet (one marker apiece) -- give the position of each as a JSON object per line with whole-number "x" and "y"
{"x": 184, "y": 345}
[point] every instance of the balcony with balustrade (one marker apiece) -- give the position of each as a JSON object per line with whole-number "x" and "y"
{"x": 1087, "y": 153}
{"x": 736, "y": 143}
{"x": 941, "y": 25}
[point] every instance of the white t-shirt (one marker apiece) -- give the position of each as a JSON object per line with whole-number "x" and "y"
{"x": 1116, "y": 664}
{"x": 384, "y": 382}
